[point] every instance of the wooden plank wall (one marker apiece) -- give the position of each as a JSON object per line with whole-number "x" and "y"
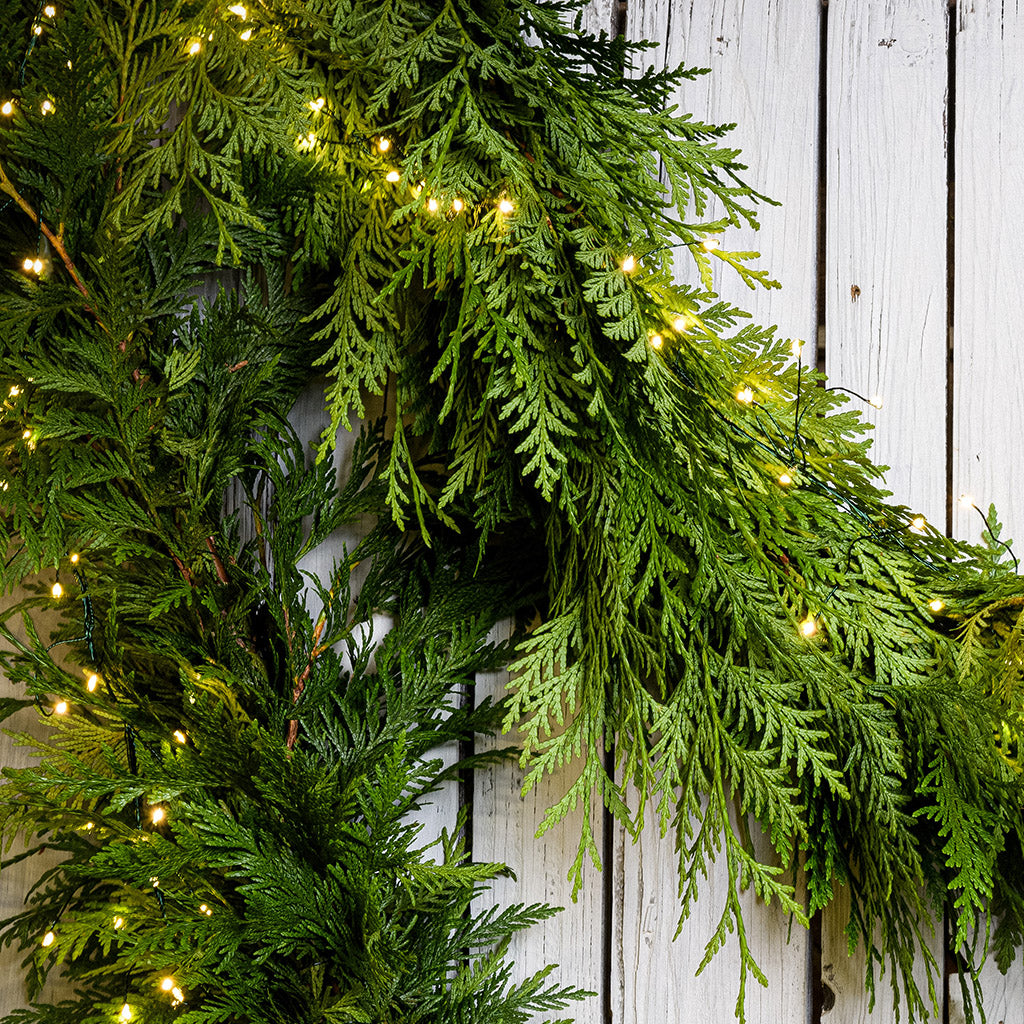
{"x": 860, "y": 116}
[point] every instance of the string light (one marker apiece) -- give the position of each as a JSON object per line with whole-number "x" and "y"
{"x": 657, "y": 341}
{"x": 194, "y": 47}
{"x": 393, "y": 176}
{"x": 457, "y": 205}
{"x": 306, "y": 142}
{"x": 37, "y": 29}
{"x": 179, "y": 996}
{"x": 57, "y": 591}
{"x": 49, "y": 938}
{"x": 432, "y": 205}
{"x": 31, "y": 265}
{"x": 118, "y": 923}
{"x": 966, "y": 499}
{"x": 383, "y": 144}
{"x": 809, "y": 626}
{"x": 684, "y": 322}
{"x": 47, "y": 106}
{"x": 785, "y": 479}
{"x": 246, "y": 35}
{"x": 50, "y": 11}
{"x": 876, "y": 401}
{"x": 795, "y": 346}
{"x": 317, "y": 105}
{"x": 158, "y": 814}
{"x": 712, "y": 243}
{"x": 92, "y": 682}
{"x": 239, "y": 10}
{"x": 204, "y": 909}
{"x": 15, "y": 391}
{"x": 126, "y": 1012}
{"x": 179, "y": 736}
{"x": 629, "y": 264}
{"x": 7, "y": 108}
{"x": 505, "y": 206}
{"x": 745, "y": 395}
{"x": 918, "y": 523}
{"x": 61, "y": 707}
{"x": 73, "y": 558}
{"x": 167, "y": 984}
{"x": 936, "y": 605}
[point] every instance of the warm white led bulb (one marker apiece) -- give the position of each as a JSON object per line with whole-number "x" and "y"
{"x": 745, "y": 395}
{"x": 966, "y": 499}
{"x": 629, "y": 264}
{"x": 38, "y": 29}
{"x": 7, "y": 108}
{"x": 47, "y": 106}
{"x": 73, "y": 558}
{"x": 505, "y": 206}
{"x": 50, "y": 11}
{"x": 167, "y": 984}
{"x": 657, "y": 341}
{"x": 936, "y": 605}
{"x": 809, "y": 626}
{"x": 393, "y": 176}
{"x": 61, "y": 707}
{"x": 317, "y": 105}
{"x": 179, "y": 996}
{"x": 239, "y": 10}
{"x": 49, "y": 938}
{"x": 118, "y": 922}
{"x": 126, "y": 1012}
{"x": 785, "y": 479}
{"x": 92, "y": 682}
{"x": 157, "y": 815}
{"x": 918, "y": 523}
{"x": 383, "y": 144}
{"x": 179, "y": 736}
{"x": 37, "y": 266}
{"x": 194, "y": 47}
{"x": 457, "y": 205}
{"x": 876, "y": 401}
{"x": 795, "y": 346}
{"x": 432, "y": 205}
{"x": 246, "y": 35}
{"x": 57, "y": 591}
{"x": 712, "y": 243}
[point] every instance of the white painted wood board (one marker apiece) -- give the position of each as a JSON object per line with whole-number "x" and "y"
{"x": 763, "y": 57}
{"x": 988, "y": 369}
{"x": 846, "y": 999}
{"x": 505, "y": 824}
{"x": 885, "y": 267}
{"x": 745, "y": 45}
{"x": 653, "y": 977}
{"x": 886, "y": 232}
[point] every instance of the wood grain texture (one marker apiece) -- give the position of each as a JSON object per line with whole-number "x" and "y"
{"x": 505, "y": 824}
{"x": 846, "y": 1000}
{"x": 763, "y": 56}
{"x": 989, "y": 358}
{"x": 745, "y": 45}
{"x": 886, "y": 231}
{"x": 653, "y": 977}
{"x": 886, "y": 288}
{"x": 989, "y": 265}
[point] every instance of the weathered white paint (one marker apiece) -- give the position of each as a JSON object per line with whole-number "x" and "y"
{"x": 654, "y": 975}
{"x": 745, "y": 45}
{"x": 505, "y": 824}
{"x": 886, "y": 231}
{"x": 846, "y": 1000}
{"x": 988, "y": 371}
{"x": 763, "y": 57}
{"x": 885, "y": 267}
{"x": 989, "y": 265}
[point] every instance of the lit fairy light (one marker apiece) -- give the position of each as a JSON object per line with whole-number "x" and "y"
{"x": 711, "y": 243}
{"x": 393, "y": 176}
{"x": 936, "y": 605}
{"x": 809, "y": 626}
{"x": 505, "y": 206}
{"x": 745, "y": 396}
{"x": 458, "y": 205}
{"x": 629, "y": 264}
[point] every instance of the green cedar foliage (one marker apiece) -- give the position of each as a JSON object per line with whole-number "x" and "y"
{"x": 357, "y": 154}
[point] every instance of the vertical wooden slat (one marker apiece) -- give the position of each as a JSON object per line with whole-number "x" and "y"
{"x": 886, "y": 231}
{"x": 763, "y": 57}
{"x": 988, "y": 265}
{"x": 505, "y": 824}
{"x": 764, "y": 77}
{"x": 885, "y": 267}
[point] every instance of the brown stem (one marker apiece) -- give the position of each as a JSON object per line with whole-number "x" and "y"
{"x": 300, "y": 682}
{"x": 222, "y": 573}
{"x": 56, "y": 240}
